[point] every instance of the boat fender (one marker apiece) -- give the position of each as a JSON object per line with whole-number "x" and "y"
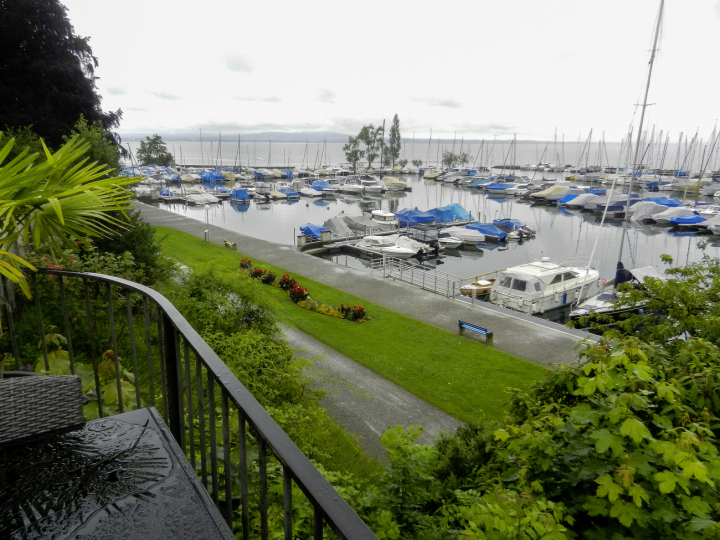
{"x": 534, "y": 307}
{"x": 564, "y": 298}
{"x": 556, "y": 297}
{"x": 641, "y": 311}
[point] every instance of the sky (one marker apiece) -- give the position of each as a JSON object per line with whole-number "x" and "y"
{"x": 478, "y": 69}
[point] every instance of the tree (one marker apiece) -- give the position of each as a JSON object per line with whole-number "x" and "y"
{"x": 56, "y": 200}
{"x": 371, "y": 137}
{"x": 394, "y": 141}
{"x": 417, "y": 162}
{"x": 47, "y": 72}
{"x": 402, "y": 162}
{"x": 353, "y": 154}
{"x": 451, "y": 160}
{"x": 152, "y": 151}
{"x": 103, "y": 149}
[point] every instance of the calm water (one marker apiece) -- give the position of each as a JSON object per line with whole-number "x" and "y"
{"x": 561, "y": 233}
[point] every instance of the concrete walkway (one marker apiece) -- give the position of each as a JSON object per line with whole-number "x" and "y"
{"x": 533, "y": 339}
{"x": 363, "y": 402}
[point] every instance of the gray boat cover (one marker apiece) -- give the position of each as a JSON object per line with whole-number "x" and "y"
{"x": 645, "y": 209}
{"x": 673, "y": 212}
{"x": 338, "y": 226}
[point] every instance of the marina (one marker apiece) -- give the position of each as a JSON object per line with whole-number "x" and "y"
{"x": 560, "y": 231}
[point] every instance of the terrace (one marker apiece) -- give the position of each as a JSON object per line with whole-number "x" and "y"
{"x": 178, "y": 448}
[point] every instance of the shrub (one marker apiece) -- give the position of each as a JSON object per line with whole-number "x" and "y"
{"x": 287, "y": 283}
{"x": 298, "y": 293}
{"x": 245, "y": 263}
{"x": 354, "y": 313}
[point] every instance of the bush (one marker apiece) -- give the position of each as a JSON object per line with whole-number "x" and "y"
{"x": 354, "y": 313}
{"x": 298, "y": 293}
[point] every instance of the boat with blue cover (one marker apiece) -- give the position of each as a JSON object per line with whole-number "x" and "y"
{"x": 312, "y": 231}
{"x": 491, "y": 232}
{"x": 409, "y": 217}
{"x": 239, "y": 195}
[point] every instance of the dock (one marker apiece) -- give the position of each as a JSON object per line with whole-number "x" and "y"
{"x": 535, "y": 340}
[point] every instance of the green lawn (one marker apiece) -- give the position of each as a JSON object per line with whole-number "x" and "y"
{"x": 460, "y": 376}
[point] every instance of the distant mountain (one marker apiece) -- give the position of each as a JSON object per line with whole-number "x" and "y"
{"x": 274, "y": 136}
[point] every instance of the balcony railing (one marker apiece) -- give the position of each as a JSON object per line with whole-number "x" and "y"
{"x": 196, "y": 393}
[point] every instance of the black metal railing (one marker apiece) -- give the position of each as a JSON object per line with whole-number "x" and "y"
{"x": 172, "y": 368}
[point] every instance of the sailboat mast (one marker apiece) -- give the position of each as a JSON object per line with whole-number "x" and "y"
{"x": 642, "y": 118}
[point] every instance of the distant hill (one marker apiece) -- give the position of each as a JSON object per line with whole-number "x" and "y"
{"x": 275, "y": 136}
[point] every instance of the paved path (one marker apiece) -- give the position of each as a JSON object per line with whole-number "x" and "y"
{"x": 533, "y": 339}
{"x": 363, "y": 402}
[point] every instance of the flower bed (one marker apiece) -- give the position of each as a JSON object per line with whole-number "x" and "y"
{"x": 300, "y": 295}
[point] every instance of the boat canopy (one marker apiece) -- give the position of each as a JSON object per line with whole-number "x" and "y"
{"x": 289, "y": 192}
{"x": 673, "y": 212}
{"x": 519, "y": 284}
{"x": 287, "y": 172}
{"x": 338, "y": 226}
{"x": 458, "y": 211}
{"x": 361, "y": 223}
{"x": 167, "y": 193}
{"x": 646, "y": 271}
{"x": 513, "y": 224}
{"x": 670, "y": 203}
{"x": 645, "y": 209}
{"x": 687, "y": 220}
{"x": 319, "y": 185}
{"x": 207, "y": 176}
{"x": 409, "y": 217}
{"x": 175, "y": 177}
{"x": 567, "y": 198}
{"x": 499, "y": 187}
{"x": 488, "y": 229}
{"x": 239, "y": 194}
{"x": 313, "y": 231}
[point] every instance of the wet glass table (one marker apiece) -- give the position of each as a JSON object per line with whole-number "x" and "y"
{"x": 117, "y": 477}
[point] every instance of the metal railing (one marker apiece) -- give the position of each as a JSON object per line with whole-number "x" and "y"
{"x": 424, "y": 277}
{"x": 188, "y": 383}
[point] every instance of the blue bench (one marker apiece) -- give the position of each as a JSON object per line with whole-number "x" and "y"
{"x": 475, "y": 328}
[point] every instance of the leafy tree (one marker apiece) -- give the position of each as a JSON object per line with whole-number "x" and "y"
{"x": 47, "y": 72}
{"x": 371, "y": 137}
{"x": 152, "y": 151}
{"x": 402, "y": 162}
{"x": 353, "y": 154}
{"x": 55, "y": 200}
{"x": 103, "y": 149}
{"x": 417, "y": 162}
{"x": 450, "y": 159}
{"x": 24, "y": 137}
{"x": 392, "y": 150}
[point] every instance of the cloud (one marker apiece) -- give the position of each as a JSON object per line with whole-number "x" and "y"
{"x": 326, "y": 96}
{"x": 717, "y": 7}
{"x": 136, "y": 109}
{"x": 266, "y": 99}
{"x": 438, "y": 102}
{"x": 238, "y": 63}
{"x": 115, "y": 91}
{"x": 165, "y": 95}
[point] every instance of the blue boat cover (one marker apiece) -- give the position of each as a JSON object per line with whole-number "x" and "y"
{"x": 442, "y": 215}
{"x": 514, "y": 224}
{"x": 597, "y": 191}
{"x": 207, "y": 176}
{"x": 239, "y": 194}
{"x": 259, "y": 176}
{"x": 287, "y": 172}
{"x": 218, "y": 176}
{"x": 167, "y": 193}
{"x": 670, "y": 203}
{"x": 289, "y": 192}
{"x": 413, "y": 217}
{"x": 499, "y": 187}
{"x": 687, "y": 220}
{"x": 481, "y": 181}
{"x": 223, "y": 190}
{"x": 488, "y": 229}
{"x": 567, "y": 198}
{"x": 313, "y": 231}
{"x": 175, "y": 177}
{"x": 459, "y": 212}
{"x": 319, "y": 185}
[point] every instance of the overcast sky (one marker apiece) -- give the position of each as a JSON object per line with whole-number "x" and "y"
{"x": 479, "y": 68}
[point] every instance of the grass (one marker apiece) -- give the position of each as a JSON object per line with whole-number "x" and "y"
{"x": 462, "y": 377}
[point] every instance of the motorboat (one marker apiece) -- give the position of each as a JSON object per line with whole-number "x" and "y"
{"x": 372, "y": 186}
{"x": 468, "y": 237}
{"x": 393, "y": 184}
{"x": 478, "y": 289}
{"x": 388, "y": 246}
{"x": 543, "y": 285}
{"x": 310, "y": 192}
{"x": 199, "y": 199}
{"x": 384, "y": 218}
{"x": 663, "y": 218}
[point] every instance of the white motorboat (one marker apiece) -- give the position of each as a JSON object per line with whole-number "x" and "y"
{"x": 372, "y": 186}
{"x": 664, "y": 217}
{"x": 383, "y": 217}
{"x": 449, "y": 242}
{"x": 466, "y": 236}
{"x": 199, "y": 199}
{"x": 393, "y": 184}
{"x": 310, "y": 192}
{"x": 385, "y": 245}
{"x": 540, "y": 286}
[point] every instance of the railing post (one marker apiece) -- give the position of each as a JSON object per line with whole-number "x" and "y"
{"x": 173, "y": 379}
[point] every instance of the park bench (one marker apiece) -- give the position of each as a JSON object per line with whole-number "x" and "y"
{"x": 476, "y": 329}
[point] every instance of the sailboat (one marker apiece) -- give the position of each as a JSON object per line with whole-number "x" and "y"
{"x": 606, "y": 303}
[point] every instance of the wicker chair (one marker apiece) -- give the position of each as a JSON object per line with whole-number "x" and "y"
{"x": 31, "y": 407}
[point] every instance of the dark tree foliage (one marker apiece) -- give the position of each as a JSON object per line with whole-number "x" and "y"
{"x": 46, "y": 71}
{"x": 395, "y": 142}
{"x": 152, "y": 151}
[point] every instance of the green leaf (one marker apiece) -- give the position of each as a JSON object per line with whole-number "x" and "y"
{"x": 605, "y": 440}
{"x": 696, "y": 469}
{"x": 501, "y": 435}
{"x": 608, "y": 488}
{"x": 696, "y": 506}
{"x": 638, "y": 494}
{"x": 700, "y": 524}
{"x": 634, "y": 429}
{"x": 667, "y": 481}
{"x": 625, "y": 513}
{"x": 584, "y": 414}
